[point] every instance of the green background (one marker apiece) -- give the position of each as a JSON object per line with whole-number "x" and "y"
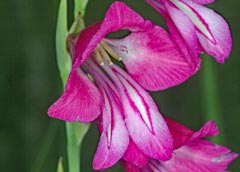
{"x": 30, "y": 141}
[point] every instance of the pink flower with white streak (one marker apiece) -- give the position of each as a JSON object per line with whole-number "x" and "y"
{"x": 200, "y": 27}
{"x": 129, "y": 118}
{"x": 191, "y": 154}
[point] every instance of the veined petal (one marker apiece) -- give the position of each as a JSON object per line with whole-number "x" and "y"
{"x": 134, "y": 156}
{"x": 119, "y": 16}
{"x": 129, "y": 167}
{"x": 145, "y": 124}
{"x": 180, "y": 133}
{"x": 184, "y": 25}
{"x": 199, "y": 156}
{"x": 153, "y": 59}
{"x": 157, "y": 5}
{"x": 79, "y": 102}
{"x": 195, "y": 155}
{"x": 114, "y": 137}
{"x": 202, "y": 2}
{"x": 212, "y": 30}
{"x": 208, "y": 129}
{"x": 181, "y": 39}
{"x": 195, "y": 17}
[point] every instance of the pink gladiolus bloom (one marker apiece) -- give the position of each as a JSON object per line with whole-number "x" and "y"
{"x": 127, "y": 112}
{"x": 192, "y": 153}
{"x": 129, "y": 118}
{"x": 200, "y": 27}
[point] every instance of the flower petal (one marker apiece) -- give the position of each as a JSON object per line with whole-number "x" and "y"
{"x": 195, "y": 155}
{"x": 199, "y": 156}
{"x": 153, "y": 59}
{"x": 157, "y": 5}
{"x": 212, "y": 30}
{"x": 79, "y": 102}
{"x": 208, "y": 129}
{"x": 134, "y": 156}
{"x": 202, "y": 2}
{"x": 184, "y": 37}
{"x": 119, "y": 16}
{"x": 145, "y": 124}
{"x": 114, "y": 137}
{"x": 184, "y": 25}
{"x": 180, "y": 133}
{"x": 129, "y": 167}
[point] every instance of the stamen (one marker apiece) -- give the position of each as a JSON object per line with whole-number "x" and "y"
{"x": 105, "y": 55}
{"x": 98, "y": 56}
{"x": 110, "y": 51}
{"x": 103, "y": 52}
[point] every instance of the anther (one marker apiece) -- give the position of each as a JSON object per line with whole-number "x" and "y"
{"x": 103, "y": 53}
{"x": 98, "y": 56}
{"x": 110, "y": 51}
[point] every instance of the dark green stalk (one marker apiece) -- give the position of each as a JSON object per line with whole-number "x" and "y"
{"x": 210, "y": 96}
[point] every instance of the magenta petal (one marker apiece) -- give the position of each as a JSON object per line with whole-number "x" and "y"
{"x": 145, "y": 124}
{"x": 79, "y": 102}
{"x": 212, "y": 30}
{"x": 208, "y": 129}
{"x": 119, "y": 16}
{"x": 184, "y": 25}
{"x": 153, "y": 59}
{"x": 195, "y": 155}
{"x": 180, "y": 133}
{"x": 200, "y": 156}
{"x": 114, "y": 139}
{"x": 203, "y": 1}
{"x": 182, "y": 39}
{"x": 129, "y": 167}
{"x": 134, "y": 156}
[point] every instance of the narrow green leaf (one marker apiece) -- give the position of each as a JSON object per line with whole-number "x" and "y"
{"x": 60, "y": 165}
{"x": 80, "y": 6}
{"x": 63, "y": 57}
{"x": 45, "y": 148}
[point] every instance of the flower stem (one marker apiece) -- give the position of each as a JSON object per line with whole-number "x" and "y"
{"x": 75, "y": 131}
{"x": 73, "y": 149}
{"x": 211, "y": 101}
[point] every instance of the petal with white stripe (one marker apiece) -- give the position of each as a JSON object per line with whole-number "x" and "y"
{"x": 114, "y": 138}
{"x": 145, "y": 124}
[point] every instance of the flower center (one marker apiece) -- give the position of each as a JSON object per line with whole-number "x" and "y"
{"x": 103, "y": 53}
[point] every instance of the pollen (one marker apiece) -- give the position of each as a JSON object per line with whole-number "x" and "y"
{"x": 103, "y": 53}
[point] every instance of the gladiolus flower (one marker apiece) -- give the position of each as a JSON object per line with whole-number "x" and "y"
{"x": 191, "y": 154}
{"x": 127, "y": 114}
{"x": 200, "y": 27}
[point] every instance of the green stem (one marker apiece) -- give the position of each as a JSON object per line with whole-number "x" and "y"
{"x": 75, "y": 131}
{"x": 211, "y": 101}
{"x": 73, "y": 149}
{"x": 80, "y": 7}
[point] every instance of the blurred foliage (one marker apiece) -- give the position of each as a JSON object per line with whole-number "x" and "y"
{"x": 29, "y": 83}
